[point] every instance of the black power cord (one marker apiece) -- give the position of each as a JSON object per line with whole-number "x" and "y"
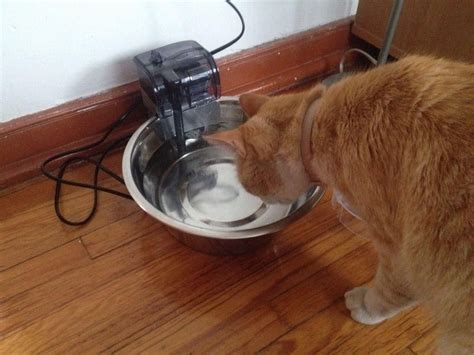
{"x": 59, "y": 178}
{"x": 228, "y": 44}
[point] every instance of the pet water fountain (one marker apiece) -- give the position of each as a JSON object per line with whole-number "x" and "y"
{"x": 181, "y": 180}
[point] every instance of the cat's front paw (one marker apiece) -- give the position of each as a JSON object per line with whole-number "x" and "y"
{"x": 356, "y": 303}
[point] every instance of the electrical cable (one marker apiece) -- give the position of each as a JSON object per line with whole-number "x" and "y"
{"x": 59, "y": 179}
{"x": 228, "y": 44}
{"x": 364, "y": 53}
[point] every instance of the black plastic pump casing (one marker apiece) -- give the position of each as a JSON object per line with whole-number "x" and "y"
{"x": 175, "y": 78}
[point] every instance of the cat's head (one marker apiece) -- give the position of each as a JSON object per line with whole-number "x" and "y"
{"x": 267, "y": 146}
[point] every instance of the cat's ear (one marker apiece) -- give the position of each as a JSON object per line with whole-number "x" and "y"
{"x": 232, "y": 137}
{"x": 251, "y": 103}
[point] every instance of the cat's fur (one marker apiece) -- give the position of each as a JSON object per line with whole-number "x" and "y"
{"x": 398, "y": 143}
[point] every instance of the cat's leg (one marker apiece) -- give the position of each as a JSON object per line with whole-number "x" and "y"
{"x": 385, "y": 298}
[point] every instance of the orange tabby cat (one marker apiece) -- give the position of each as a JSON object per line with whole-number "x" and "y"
{"x": 397, "y": 142}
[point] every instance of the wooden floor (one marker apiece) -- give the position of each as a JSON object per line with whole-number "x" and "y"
{"x": 123, "y": 284}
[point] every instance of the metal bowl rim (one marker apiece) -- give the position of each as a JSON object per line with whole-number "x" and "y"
{"x": 208, "y": 233}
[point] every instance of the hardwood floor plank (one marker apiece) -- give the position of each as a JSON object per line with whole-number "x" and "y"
{"x": 330, "y": 283}
{"x": 257, "y": 340}
{"x": 289, "y": 241}
{"x": 426, "y": 344}
{"x": 391, "y": 336}
{"x": 333, "y": 331}
{"x": 146, "y": 297}
{"x": 209, "y": 328}
{"x": 99, "y": 319}
{"x": 120, "y": 232}
{"x": 26, "y": 307}
{"x": 31, "y": 233}
{"x": 229, "y": 336}
{"x": 29, "y": 225}
{"x": 311, "y": 336}
{"x": 41, "y": 269}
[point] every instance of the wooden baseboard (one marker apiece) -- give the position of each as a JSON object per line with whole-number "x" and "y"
{"x": 27, "y": 141}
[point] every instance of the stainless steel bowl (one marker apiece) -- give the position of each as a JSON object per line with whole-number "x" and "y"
{"x": 198, "y": 196}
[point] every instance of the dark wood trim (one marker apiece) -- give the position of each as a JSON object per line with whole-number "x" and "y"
{"x": 27, "y": 141}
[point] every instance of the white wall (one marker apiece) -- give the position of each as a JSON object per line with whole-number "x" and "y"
{"x": 56, "y": 51}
